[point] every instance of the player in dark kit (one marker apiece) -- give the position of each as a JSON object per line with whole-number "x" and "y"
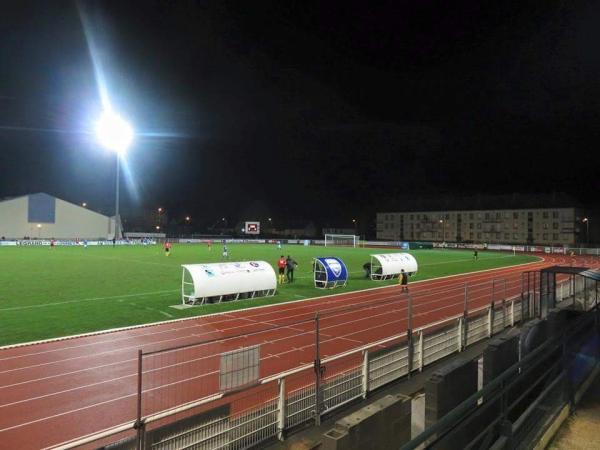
{"x": 403, "y": 278}
{"x": 290, "y": 265}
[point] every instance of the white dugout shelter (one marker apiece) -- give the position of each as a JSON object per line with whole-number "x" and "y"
{"x": 217, "y": 282}
{"x": 389, "y": 265}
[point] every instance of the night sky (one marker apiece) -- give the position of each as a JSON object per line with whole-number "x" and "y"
{"x": 301, "y": 109}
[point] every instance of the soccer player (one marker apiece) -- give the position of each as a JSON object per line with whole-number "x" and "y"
{"x": 403, "y": 280}
{"x": 209, "y": 244}
{"x": 279, "y": 245}
{"x": 225, "y": 252}
{"x": 475, "y": 255}
{"x": 367, "y": 269}
{"x": 281, "y": 264}
{"x": 167, "y": 248}
{"x": 290, "y": 265}
{"x": 52, "y": 243}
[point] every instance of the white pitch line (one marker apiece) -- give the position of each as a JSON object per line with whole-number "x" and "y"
{"x": 89, "y": 299}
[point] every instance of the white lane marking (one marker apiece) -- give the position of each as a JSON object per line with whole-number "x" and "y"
{"x": 89, "y": 299}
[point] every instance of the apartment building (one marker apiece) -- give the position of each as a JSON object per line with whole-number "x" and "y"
{"x": 544, "y": 226}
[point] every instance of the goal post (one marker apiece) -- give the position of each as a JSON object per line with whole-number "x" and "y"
{"x": 341, "y": 240}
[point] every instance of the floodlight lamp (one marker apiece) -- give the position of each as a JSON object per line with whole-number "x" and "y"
{"x": 39, "y": 225}
{"x": 113, "y": 132}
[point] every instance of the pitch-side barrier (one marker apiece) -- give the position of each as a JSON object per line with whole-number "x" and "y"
{"x": 197, "y": 396}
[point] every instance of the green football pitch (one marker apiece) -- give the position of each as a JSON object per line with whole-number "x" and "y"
{"x": 70, "y": 290}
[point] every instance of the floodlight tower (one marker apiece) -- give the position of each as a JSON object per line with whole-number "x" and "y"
{"x": 115, "y": 134}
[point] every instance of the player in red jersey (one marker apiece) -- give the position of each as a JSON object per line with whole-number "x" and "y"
{"x": 281, "y": 264}
{"x": 167, "y": 248}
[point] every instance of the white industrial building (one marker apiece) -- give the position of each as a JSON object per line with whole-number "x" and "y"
{"x": 39, "y": 216}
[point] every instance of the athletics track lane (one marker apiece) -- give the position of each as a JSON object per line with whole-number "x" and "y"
{"x": 57, "y": 391}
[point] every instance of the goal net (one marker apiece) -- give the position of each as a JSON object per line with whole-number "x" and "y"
{"x": 345, "y": 240}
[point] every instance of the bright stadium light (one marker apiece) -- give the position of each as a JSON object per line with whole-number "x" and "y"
{"x": 113, "y": 132}
{"x": 84, "y": 204}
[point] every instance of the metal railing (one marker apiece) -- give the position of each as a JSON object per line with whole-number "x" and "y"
{"x": 518, "y": 404}
{"x": 179, "y": 385}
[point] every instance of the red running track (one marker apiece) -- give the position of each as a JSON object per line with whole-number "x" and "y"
{"x": 57, "y": 391}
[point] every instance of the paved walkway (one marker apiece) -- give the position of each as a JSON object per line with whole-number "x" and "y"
{"x": 582, "y": 429}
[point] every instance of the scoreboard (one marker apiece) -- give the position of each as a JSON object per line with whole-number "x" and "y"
{"x": 252, "y": 228}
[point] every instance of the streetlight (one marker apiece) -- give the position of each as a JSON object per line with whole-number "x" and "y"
{"x": 187, "y": 218}
{"x": 444, "y": 230}
{"x": 84, "y": 204}
{"x": 116, "y": 135}
{"x": 587, "y": 230}
{"x": 157, "y": 227}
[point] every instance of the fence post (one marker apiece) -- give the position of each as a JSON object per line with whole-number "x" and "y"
{"x": 491, "y": 320}
{"x": 465, "y": 323}
{"x": 409, "y": 336}
{"x": 585, "y": 294}
{"x": 281, "y": 413}
{"x": 365, "y": 373}
{"x": 318, "y": 373}
{"x": 460, "y": 342}
{"x": 421, "y": 349}
{"x": 512, "y": 313}
{"x": 139, "y": 425}
{"x": 504, "y": 306}
{"x": 522, "y": 297}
